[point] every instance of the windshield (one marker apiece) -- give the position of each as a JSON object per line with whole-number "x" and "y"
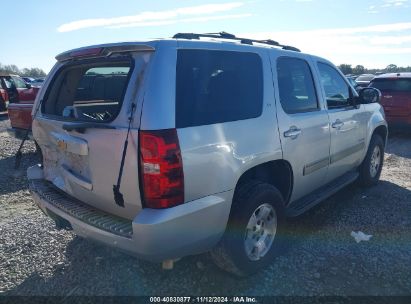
{"x": 92, "y": 91}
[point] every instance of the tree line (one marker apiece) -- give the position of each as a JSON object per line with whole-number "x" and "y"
{"x": 359, "y": 69}
{"x": 29, "y": 72}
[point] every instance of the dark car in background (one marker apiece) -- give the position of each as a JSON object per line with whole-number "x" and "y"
{"x": 396, "y": 97}
{"x": 364, "y": 80}
{"x": 28, "y": 79}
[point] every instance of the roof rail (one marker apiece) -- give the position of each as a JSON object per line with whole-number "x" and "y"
{"x": 224, "y": 35}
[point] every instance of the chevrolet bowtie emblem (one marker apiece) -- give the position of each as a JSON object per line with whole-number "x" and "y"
{"x": 62, "y": 144}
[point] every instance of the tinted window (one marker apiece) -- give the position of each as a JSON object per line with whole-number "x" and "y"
{"x": 88, "y": 92}
{"x": 217, "y": 86}
{"x": 336, "y": 89}
{"x": 296, "y": 85}
{"x": 392, "y": 85}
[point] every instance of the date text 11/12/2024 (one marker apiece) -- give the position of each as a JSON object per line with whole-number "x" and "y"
{"x": 240, "y": 299}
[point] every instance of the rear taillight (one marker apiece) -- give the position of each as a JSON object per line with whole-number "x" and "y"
{"x": 161, "y": 168}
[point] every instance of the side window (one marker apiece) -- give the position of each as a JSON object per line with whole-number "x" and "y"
{"x": 8, "y": 82}
{"x": 20, "y": 84}
{"x": 336, "y": 89}
{"x": 217, "y": 86}
{"x": 296, "y": 85}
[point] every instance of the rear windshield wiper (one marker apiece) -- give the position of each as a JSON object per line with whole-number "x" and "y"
{"x": 82, "y": 126}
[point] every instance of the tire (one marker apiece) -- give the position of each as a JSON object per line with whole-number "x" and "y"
{"x": 233, "y": 252}
{"x": 370, "y": 169}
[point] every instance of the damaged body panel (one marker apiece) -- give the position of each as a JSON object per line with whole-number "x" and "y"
{"x": 84, "y": 162}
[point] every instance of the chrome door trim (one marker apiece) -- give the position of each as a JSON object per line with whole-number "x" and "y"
{"x": 347, "y": 152}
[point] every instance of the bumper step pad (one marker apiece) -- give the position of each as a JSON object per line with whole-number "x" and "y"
{"x": 79, "y": 210}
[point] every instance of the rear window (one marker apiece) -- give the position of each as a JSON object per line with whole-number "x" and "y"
{"x": 392, "y": 85}
{"x": 91, "y": 91}
{"x": 217, "y": 86}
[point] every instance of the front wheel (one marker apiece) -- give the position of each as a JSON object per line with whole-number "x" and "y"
{"x": 371, "y": 167}
{"x": 254, "y": 234}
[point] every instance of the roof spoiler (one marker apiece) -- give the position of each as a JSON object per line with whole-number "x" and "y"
{"x": 92, "y": 52}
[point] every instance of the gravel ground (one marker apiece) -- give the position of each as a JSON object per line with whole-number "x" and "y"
{"x": 37, "y": 259}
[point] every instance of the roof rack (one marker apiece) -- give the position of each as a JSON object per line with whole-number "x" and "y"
{"x": 224, "y": 35}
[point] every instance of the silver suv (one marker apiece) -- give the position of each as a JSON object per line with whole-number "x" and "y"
{"x": 198, "y": 143}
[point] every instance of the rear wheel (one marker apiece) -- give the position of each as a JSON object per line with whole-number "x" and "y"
{"x": 254, "y": 234}
{"x": 370, "y": 169}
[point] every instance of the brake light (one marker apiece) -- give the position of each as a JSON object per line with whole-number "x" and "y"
{"x": 161, "y": 168}
{"x": 83, "y": 53}
{"x": 86, "y": 52}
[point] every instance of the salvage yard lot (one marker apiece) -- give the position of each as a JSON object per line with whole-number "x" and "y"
{"x": 323, "y": 259}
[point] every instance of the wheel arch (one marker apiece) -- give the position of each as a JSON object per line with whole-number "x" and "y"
{"x": 381, "y": 130}
{"x": 277, "y": 173}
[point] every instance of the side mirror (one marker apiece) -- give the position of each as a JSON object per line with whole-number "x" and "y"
{"x": 369, "y": 95}
{"x": 28, "y": 86}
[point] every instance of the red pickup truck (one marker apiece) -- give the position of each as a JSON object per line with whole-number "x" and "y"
{"x": 19, "y": 97}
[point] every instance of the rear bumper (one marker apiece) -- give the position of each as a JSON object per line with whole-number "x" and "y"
{"x": 154, "y": 235}
{"x": 19, "y": 133}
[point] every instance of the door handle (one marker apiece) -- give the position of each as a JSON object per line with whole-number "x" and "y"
{"x": 337, "y": 124}
{"x": 293, "y": 132}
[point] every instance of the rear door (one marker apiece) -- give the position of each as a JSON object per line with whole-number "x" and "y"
{"x": 348, "y": 122}
{"x": 303, "y": 124}
{"x": 82, "y": 128}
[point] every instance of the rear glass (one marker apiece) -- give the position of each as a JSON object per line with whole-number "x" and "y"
{"x": 217, "y": 86}
{"x": 88, "y": 92}
{"x": 392, "y": 85}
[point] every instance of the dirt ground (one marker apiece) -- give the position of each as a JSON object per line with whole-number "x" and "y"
{"x": 323, "y": 259}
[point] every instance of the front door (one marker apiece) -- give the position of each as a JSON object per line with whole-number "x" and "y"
{"x": 25, "y": 93}
{"x": 347, "y": 122}
{"x": 303, "y": 124}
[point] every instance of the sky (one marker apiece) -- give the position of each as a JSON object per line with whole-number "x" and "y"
{"x": 373, "y": 33}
